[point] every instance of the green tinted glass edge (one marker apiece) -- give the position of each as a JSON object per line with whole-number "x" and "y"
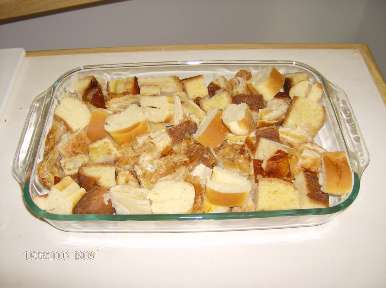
{"x": 35, "y": 210}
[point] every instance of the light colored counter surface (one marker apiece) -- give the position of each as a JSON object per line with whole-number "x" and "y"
{"x": 347, "y": 252}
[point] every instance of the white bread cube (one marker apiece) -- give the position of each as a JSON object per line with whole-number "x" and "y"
{"x": 72, "y": 164}
{"x": 275, "y": 110}
{"x": 130, "y": 200}
{"x": 158, "y": 109}
{"x": 104, "y": 175}
{"x": 126, "y": 125}
{"x": 161, "y": 140}
{"x": 178, "y": 110}
{"x": 73, "y": 112}
{"x": 62, "y": 197}
{"x": 219, "y": 101}
{"x": 160, "y": 85}
{"x": 122, "y": 86}
{"x": 301, "y": 89}
{"x": 307, "y": 185}
{"x": 227, "y": 188}
{"x": 172, "y": 197}
{"x": 266, "y": 148}
{"x": 336, "y": 175}
{"x": 295, "y": 78}
{"x": 150, "y": 90}
{"x": 238, "y": 119}
{"x": 120, "y": 104}
{"x": 310, "y": 157}
{"x": 276, "y": 194}
{"x": 202, "y": 172}
{"x": 193, "y": 111}
{"x": 305, "y": 114}
{"x": 103, "y": 151}
{"x": 235, "y": 139}
{"x": 293, "y": 136}
{"x": 72, "y": 144}
{"x": 211, "y": 131}
{"x": 316, "y": 92}
{"x": 126, "y": 177}
{"x": 267, "y": 83}
{"x": 195, "y": 87}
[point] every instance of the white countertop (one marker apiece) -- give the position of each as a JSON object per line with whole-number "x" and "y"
{"x": 347, "y": 252}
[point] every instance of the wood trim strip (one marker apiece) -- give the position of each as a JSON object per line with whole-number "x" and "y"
{"x": 11, "y": 10}
{"x": 362, "y": 48}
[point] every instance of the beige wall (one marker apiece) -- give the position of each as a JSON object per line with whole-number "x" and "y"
{"x": 140, "y": 22}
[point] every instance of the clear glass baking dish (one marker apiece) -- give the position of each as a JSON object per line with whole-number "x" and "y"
{"x": 340, "y": 132}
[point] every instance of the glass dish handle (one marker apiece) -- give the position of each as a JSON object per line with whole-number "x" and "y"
{"x": 351, "y": 131}
{"x": 30, "y": 137}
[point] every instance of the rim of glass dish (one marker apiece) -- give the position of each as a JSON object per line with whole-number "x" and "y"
{"x": 199, "y": 216}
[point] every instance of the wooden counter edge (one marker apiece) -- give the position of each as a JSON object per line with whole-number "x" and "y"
{"x": 361, "y": 47}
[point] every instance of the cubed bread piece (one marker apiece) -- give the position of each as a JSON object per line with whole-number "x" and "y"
{"x": 238, "y": 119}
{"x": 271, "y": 133}
{"x": 73, "y": 144}
{"x": 72, "y": 164}
{"x": 316, "y": 92}
{"x": 301, "y": 89}
{"x": 305, "y": 114}
{"x": 275, "y": 110}
{"x": 235, "y": 139}
{"x": 310, "y": 193}
{"x": 130, "y": 200}
{"x": 127, "y": 125}
{"x": 62, "y": 197}
{"x": 220, "y": 83}
{"x": 254, "y": 101}
{"x": 178, "y": 116}
{"x": 94, "y": 202}
{"x": 195, "y": 87}
{"x": 172, "y": 197}
{"x": 294, "y": 78}
{"x": 267, "y": 83}
{"x": 219, "y": 101}
{"x": 276, "y": 194}
{"x": 122, "y": 86}
{"x": 96, "y": 127}
{"x": 234, "y": 157}
{"x": 49, "y": 170}
{"x": 120, "y": 104}
{"x": 293, "y": 136}
{"x": 89, "y": 89}
{"x": 310, "y": 157}
{"x": 159, "y": 85}
{"x": 151, "y": 90}
{"x": 162, "y": 141}
{"x": 238, "y": 86}
{"x": 277, "y": 166}
{"x": 104, "y": 175}
{"x": 227, "y": 188}
{"x": 73, "y": 112}
{"x": 336, "y": 174}
{"x": 266, "y": 148}
{"x": 57, "y": 130}
{"x": 158, "y": 109}
{"x": 244, "y": 74}
{"x": 103, "y": 151}
{"x": 193, "y": 111}
{"x": 211, "y": 131}
{"x": 202, "y": 172}
{"x": 181, "y": 131}
{"x": 126, "y": 177}
{"x": 208, "y": 207}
